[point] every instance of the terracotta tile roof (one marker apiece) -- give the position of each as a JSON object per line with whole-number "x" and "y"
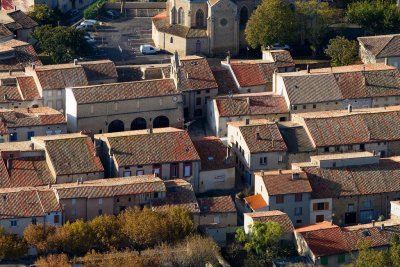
{"x": 356, "y": 180}
{"x": 316, "y": 226}
{"x": 29, "y": 171}
{"x": 27, "y": 202}
{"x": 326, "y": 242}
{"x": 383, "y": 45}
{"x": 282, "y": 183}
{"x": 252, "y": 104}
{"x": 282, "y": 58}
{"x": 195, "y": 74}
{"x": 25, "y": 55}
{"x": 22, "y": 19}
{"x": 341, "y": 83}
{"x": 256, "y": 202}
{"x": 212, "y": 154}
{"x": 161, "y": 23}
{"x": 70, "y": 154}
{"x": 373, "y": 235}
{"x": 295, "y": 137}
{"x": 262, "y": 138}
{"x": 22, "y": 117}
{"x": 340, "y": 128}
{"x": 110, "y": 187}
{"x": 133, "y": 148}
{"x": 274, "y": 216}
{"x": 99, "y": 70}
{"x": 4, "y": 31}
{"x": 225, "y": 81}
{"x": 124, "y": 91}
{"x": 28, "y": 88}
{"x": 179, "y": 193}
{"x": 222, "y": 204}
{"x": 53, "y": 77}
{"x": 253, "y": 74}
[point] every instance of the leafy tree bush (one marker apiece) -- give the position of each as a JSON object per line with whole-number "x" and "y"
{"x": 53, "y": 260}
{"x": 377, "y": 17}
{"x": 342, "y": 51}
{"x": 37, "y": 236}
{"x": 44, "y": 15}
{"x": 11, "y": 246}
{"x": 272, "y": 22}
{"x": 62, "y": 44}
{"x": 106, "y": 231}
{"x": 93, "y": 11}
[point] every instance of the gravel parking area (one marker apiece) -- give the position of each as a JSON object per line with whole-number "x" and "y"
{"x": 120, "y": 39}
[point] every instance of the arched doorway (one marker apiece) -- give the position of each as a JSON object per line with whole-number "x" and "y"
{"x": 199, "y": 18}
{"x": 244, "y": 17}
{"x": 138, "y": 124}
{"x": 160, "y": 122}
{"x": 116, "y": 126}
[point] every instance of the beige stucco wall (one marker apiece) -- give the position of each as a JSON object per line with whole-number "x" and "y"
{"x": 225, "y": 219}
{"x": 222, "y": 179}
{"x": 22, "y": 132}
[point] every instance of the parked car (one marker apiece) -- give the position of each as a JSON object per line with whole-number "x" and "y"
{"x": 147, "y": 49}
{"x": 112, "y": 14}
{"x": 279, "y": 46}
{"x": 86, "y": 27}
{"x": 90, "y": 22}
{"x": 89, "y": 39}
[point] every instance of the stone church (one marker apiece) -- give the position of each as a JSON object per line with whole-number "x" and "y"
{"x": 203, "y": 27}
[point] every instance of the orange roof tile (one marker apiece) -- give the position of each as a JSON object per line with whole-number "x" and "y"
{"x": 256, "y": 202}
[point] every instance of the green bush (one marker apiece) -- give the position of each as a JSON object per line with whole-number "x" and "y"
{"x": 94, "y": 9}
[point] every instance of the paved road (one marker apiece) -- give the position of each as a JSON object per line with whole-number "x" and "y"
{"x": 119, "y": 40}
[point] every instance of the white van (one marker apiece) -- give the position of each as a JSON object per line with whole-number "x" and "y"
{"x": 147, "y": 49}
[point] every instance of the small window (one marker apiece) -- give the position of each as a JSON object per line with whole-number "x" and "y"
{"x": 304, "y": 107}
{"x": 362, "y": 147}
{"x": 350, "y": 207}
{"x": 157, "y": 170}
{"x": 298, "y": 211}
{"x": 127, "y": 173}
{"x": 13, "y": 223}
{"x": 314, "y": 106}
{"x": 100, "y": 211}
{"x": 326, "y": 149}
{"x": 341, "y": 258}
{"x": 294, "y": 107}
{"x": 207, "y": 91}
{"x": 298, "y": 197}
{"x": 155, "y": 194}
{"x": 321, "y": 206}
{"x": 299, "y": 221}
{"x": 34, "y": 221}
{"x": 324, "y": 261}
{"x": 263, "y": 161}
{"x": 139, "y": 172}
{"x": 198, "y": 101}
{"x": 100, "y": 201}
{"x": 13, "y": 137}
{"x": 56, "y": 219}
{"x": 187, "y": 169}
{"x": 117, "y": 199}
{"x": 280, "y": 198}
{"x": 174, "y": 170}
{"x": 319, "y": 218}
{"x": 198, "y": 92}
{"x": 31, "y": 134}
{"x": 73, "y": 201}
{"x": 171, "y": 40}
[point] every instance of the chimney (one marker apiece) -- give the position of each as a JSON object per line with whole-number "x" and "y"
{"x": 295, "y": 176}
{"x": 280, "y": 171}
{"x": 349, "y": 108}
{"x": 32, "y": 146}
{"x": 5, "y": 97}
{"x": 386, "y": 59}
{"x": 155, "y": 174}
{"x": 8, "y": 164}
{"x": 258, "y": 137}
{"x": 262, "y": 173}
{"x": 10, "y": 72}
{"x": 228, "y": 152}
{"x": 15, "y": 8}
{"x": 33, "y": 66}
{"x": 382, "y": 227}
{"x": 77, "y": 181}
{"x": 373, "y": 223}
{"x": 75, "y": 62}
{"x": 228, "y": 59}
{"x": 81, "y": 180}
{"x": 247, "y": 121}
{"x": 49, "y": 185}
{"x": 308, "y": 68}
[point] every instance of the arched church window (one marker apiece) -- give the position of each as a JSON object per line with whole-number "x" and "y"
{"x": 173, "y": 15}
{"x": 199, "y": 18}
{"x": 181, "y": 16}
{"x": 244, "y": 16}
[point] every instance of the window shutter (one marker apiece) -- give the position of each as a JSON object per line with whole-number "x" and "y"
{"x": 315, "y": 206}
{"x": 326, "y": 205}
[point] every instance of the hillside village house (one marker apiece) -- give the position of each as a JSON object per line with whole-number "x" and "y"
{"x": 327, "y": 244}
{"x": 351, "y": 188}
{"x": 18, "y": 23}
{"x": 285, "y": 190}
{"x": 26, "y": 5}
{"x": 22, "y": 124}
{"x": 124, "y": 106}
{"x": 70, "y": 157}
{"x": 380, "y": 49}
{"x": 51, "y": 80}
{"x": 257, "y": 145}
{"x": 20, "y": 207}
{"x": 194, "y": 78}
{"x": 360, "y": 86}
{"x": 255, "y": 76}
{"x": 167, "y": 152}
{"x": 206, "y": 28}
{"x": 223, "y": 110}
{"x": 353, "y": 130}
{"x": 273, "y": 216}
{"x": 217, "y": 170}
{"x": 89, "y": 199}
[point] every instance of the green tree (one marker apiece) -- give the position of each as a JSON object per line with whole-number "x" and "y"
{"x": 44, "y": 15}
{"x": 272, "y": 22}
{"x": 368, "y": 257}
{"x": 263, "y": 240}
{"x": 37, "y": 236}
{"x": 62, "y": 44}
{"x": 74, "y": 238}
{"x": 377, "y": 17}
{"x": 106, "y": 232}
{"x": 179, "y": 223}
{"x": 11, "y": 247}
{"x": 314, "y": 18}
{"x": 342, "y": 51}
